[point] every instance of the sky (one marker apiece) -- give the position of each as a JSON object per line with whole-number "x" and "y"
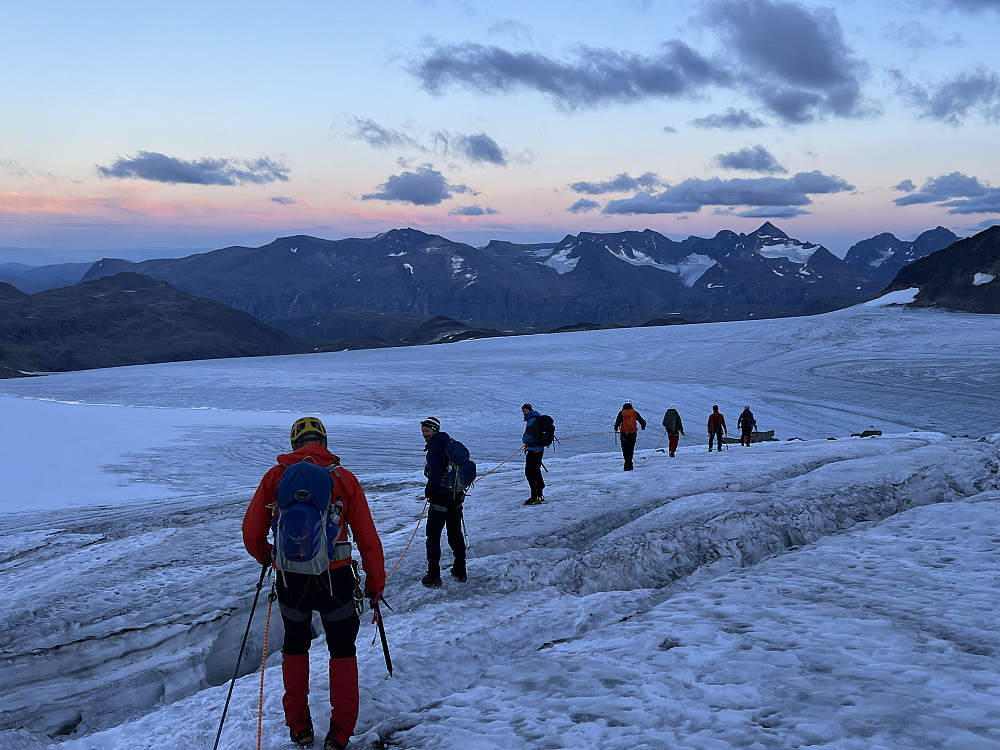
{"x": 827, "y": 591}
{"x": 191, "y": 126}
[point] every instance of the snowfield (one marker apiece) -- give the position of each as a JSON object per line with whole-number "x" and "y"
{"x": 827, "y": 591}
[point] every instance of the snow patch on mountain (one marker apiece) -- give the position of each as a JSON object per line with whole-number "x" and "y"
{"x": 899, "y": 297}
{"x": 883, "y": 255}
{"x": 560, "y": 260}
{"x": 789, "y": 250}
{"x": 690, "y": 269}
{"x": 982, "y": 278}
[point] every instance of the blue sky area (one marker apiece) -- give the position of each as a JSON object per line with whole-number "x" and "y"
{"x": 185, "y": 126}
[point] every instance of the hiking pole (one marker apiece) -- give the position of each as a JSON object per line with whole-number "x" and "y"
{"x": 377, "y": 617}
{"x": 465, "y": 533}
{"x": 232, "y": 683}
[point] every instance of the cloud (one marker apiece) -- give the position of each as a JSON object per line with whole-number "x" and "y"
{"x": 988, "y": 203}
{"x": 375, "y": 135}
{"x": 516, "y": 30}
{"x": 149, "y": 165}
{"x": 596, "y": 77}
{"x": 987, "y": 223}
{"x": 14, "y": 169}
{"x": 284, "y": 201}
{"x": 958, "y": 192}
{"x": 583, "y": 205}
{"x": 623, "y": 183}
{"x": 942, "y": 188}
{"x": 906, "y": 186}
{"x": 913, "y": 34}
{"x": 472, "y": 211}
{"x": 973, "y": 5}
{"x": 424, "y": 187}
{"x": 477, "y": 149}
{"x": 788, "y": 212}
{"x": 756, "y": 159}
{"x": 692, "y": 194}
{"x": 669, "y": 129}
{"x": 952, "y": 100}
{"x": 731, "y": 119}
{"x": 794, "y": 60}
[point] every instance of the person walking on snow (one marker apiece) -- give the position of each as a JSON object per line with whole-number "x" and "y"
{"x": 625, "y": 426}
{"x": 533, "y": 452}
{"x": 747, "y": 424}
{"x": 674, "y": 427}
{"x": 716, "y": 425}
{"x": 445, "y": 506}
{"x": 330, "y": 593}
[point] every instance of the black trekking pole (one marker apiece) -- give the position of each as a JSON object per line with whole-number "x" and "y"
{"x": 381, "y": 631}
{"x": 232, "y": 683}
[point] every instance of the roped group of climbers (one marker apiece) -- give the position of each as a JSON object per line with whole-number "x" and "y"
{"x": 309, "y": 502}
{"x": 629, "y": 422}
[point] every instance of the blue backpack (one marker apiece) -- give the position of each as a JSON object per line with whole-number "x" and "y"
{"x": 308, "y": 520}
{"x": 461, "y": 470}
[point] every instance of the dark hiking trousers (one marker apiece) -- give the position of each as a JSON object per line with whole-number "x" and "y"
{"x": 436, "y": 521}
{"x": 300, "y": 595}
{"x": 533, "y": 471}
{"x": 716, "y": 434}
{"x": 628, "y": 448}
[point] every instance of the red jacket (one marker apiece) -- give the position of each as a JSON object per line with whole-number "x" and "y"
{"x": 716, "y": 422}
{"x": 263, "y": 507}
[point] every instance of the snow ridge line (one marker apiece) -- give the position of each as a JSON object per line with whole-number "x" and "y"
{"x": 679, "y": 537}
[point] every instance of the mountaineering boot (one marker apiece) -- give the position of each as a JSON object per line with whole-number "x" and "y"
{"x": 344, "y": 702}
{"x": 432, "y": 580}
{"x": 458, "y": 571}
{"x": 304, "y": 738}
{"x": 534, "y": 500}
{"x": 295, "y": 676}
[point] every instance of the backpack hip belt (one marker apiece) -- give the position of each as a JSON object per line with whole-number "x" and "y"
{"x": 444, "y": 509}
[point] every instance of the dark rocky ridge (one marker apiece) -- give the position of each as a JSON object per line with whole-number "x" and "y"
{"x": 948, "y": 278}
{"x": 126, "y": 319}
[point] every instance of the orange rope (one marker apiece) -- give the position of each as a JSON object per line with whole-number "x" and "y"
{"x": 497, "y": 466}
{"x": 412, "y": 536}
{"x": 263, "y": 661}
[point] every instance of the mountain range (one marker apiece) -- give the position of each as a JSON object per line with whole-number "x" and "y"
{"x": 621, "y": 278}
{"x": 301, "y": 294}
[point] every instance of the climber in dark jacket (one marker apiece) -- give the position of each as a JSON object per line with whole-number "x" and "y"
{"x": 533, "y": 452}
{"x": 445, "y": 507}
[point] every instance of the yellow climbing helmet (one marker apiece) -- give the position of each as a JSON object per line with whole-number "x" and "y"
{"x": 306, "y": 426}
